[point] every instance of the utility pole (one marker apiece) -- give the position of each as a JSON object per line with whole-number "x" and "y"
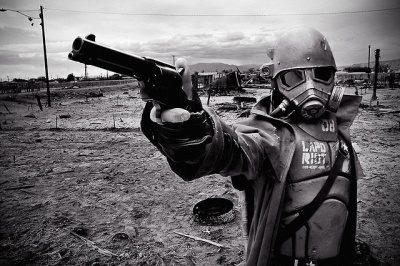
{"x": 173, "y": 60}
{"x": 41, "y": 17}
{"x": 85, "y": 71}
{"x": 377, "y": 52}
{"x": 45, "y": 56}
{"x": 369, "y": 69}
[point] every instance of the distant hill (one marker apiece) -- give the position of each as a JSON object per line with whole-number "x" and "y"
{"x": 244, "y": 68}
{"x": 219, "y": 67}
{"x": 394, "y": 64}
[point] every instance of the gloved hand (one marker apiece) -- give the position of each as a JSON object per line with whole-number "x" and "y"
{"x": 180, "y": 134}
{"x": 177, "y": 115}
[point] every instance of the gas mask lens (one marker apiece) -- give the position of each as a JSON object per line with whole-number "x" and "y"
{"x": 292, "y": 78}
{"x": 323, "y": 74}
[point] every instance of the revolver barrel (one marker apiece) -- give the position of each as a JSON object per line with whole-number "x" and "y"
{"x": 89, "y": 52}
{"x": 163, "y": 84}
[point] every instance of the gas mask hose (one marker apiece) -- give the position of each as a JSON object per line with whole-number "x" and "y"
{"x": 281, "y": 108}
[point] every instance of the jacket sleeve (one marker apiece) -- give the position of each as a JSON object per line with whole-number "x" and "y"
{"x": 205, "y": 145}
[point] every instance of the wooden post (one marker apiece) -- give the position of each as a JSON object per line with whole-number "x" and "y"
{"x": 369, "y": 69}
{"x": 45, "y": 57}
{"x": 377, "y": 52}
{"x": 39, "y": 102}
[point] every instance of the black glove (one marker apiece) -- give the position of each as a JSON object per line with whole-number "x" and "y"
{"x": 180, "y": 134}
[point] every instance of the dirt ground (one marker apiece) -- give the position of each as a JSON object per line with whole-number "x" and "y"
{"x": 80, "y": 185}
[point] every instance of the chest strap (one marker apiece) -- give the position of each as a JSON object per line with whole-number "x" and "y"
{"x": 307, "y": 211}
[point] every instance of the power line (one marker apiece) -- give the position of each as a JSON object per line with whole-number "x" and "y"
{"x": 20, "y": 12}
{"x": 24, "y": 10}
{"x": 225, "y": 15}
{"x": 29, "y": 10}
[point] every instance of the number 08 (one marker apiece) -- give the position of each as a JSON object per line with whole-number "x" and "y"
{"x": 328, "y": 125}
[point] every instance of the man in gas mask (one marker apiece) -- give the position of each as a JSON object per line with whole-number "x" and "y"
{"x": 292, "y": 158}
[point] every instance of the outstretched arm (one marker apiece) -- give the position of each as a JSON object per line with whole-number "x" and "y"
{"x": 198, "y": 143}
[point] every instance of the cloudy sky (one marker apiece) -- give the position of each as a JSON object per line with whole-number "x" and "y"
{"x": 234, "y": 32}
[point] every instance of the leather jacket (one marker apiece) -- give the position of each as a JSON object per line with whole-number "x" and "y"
{"x": 257, "y": 154}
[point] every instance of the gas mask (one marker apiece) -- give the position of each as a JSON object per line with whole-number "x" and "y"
{"x": 311, "y": 90}
{"x": 302, "y": 68}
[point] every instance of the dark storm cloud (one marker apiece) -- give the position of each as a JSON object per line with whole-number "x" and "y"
{"x": 235, "y": 46}
{"x": 228, "y": 39}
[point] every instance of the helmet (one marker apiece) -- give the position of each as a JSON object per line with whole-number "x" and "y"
{"x": 301, "y": 48}
{"x": 303, "y": 70}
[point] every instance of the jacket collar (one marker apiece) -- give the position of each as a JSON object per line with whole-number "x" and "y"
{"x": 345, "y": 115}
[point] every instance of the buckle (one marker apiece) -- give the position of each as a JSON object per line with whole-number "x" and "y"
{"x": 343, "y": 149}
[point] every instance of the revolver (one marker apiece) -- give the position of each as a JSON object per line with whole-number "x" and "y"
{"x": 163, "y": 83}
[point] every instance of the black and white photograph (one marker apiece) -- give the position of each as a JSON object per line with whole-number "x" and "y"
{"x": 200, "y": 133}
